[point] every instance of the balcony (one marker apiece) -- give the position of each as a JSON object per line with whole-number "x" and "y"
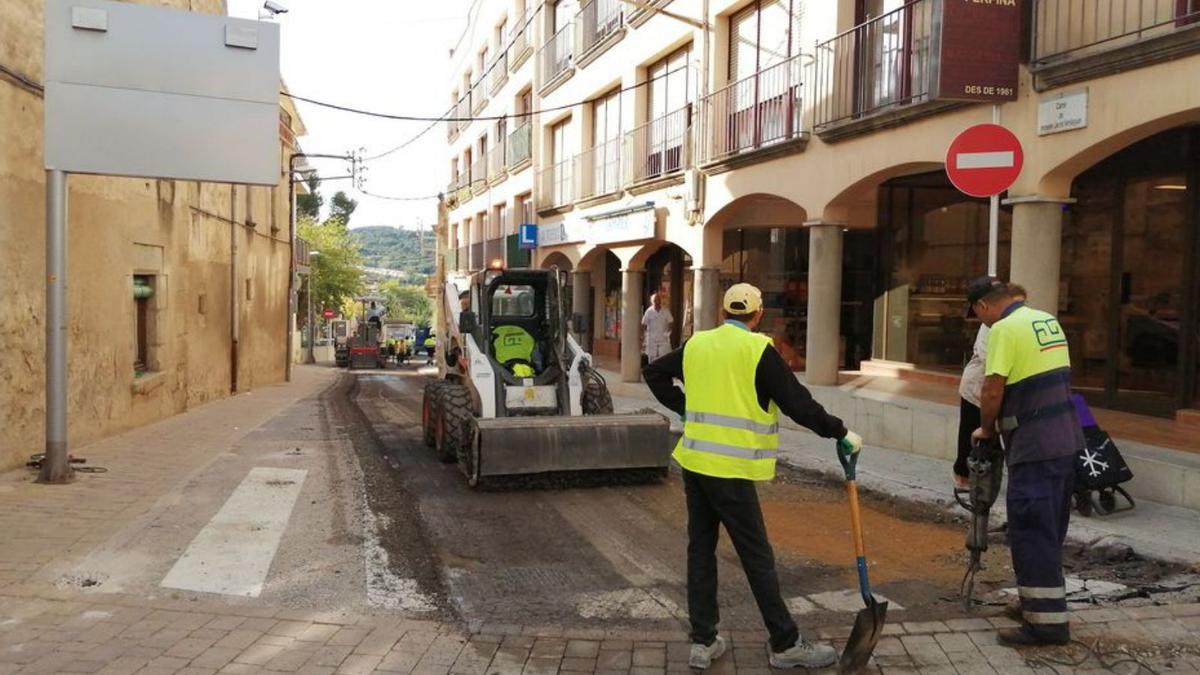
{"x": 452, "y": 191}
{"x": 659, "y": 148}
{"x": 479, "y": 97}
{"x": 519, "y": 146}
{"x": 479, "y": 167}
{"x": 451, "y": 124}
{"x": 600, "y": 26}
{"x": 556, "y": 186}
{"x": 495, "y": 169}
{"x": 463, "y": 258}
{"x": 497, "y": 74}
{"x": 300, "y": 254}
{"x": 877, "y": 74}
{"x": 642, "y": 13}
{"x": 462, "y": 112}
{"x": 556, "y": 57}
{"x": 1077, "y": 40}
{"x": 521, "y": 48}
{"x": 599, "y": 170}
{"x": 754, "y": 118}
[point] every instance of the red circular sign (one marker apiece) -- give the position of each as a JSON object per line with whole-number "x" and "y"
{"x": 984, "y": 160}
{"x": 328, "y": 314}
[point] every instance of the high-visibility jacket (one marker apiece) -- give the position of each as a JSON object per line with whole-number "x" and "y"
{"x": 512, "y": 343}
{"x": 725, "y": 432}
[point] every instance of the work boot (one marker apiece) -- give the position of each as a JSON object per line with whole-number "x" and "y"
{"x": 702, "y": 656}
{"x": 803, "y": 654}
{"x": 1029, "y": 635}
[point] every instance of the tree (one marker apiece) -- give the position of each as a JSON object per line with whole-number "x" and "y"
{"x": 308, "y": 205}
{"x": 341, "y": 207}
{"x": 407, "y": 303}
{"x": 336, "y": 276}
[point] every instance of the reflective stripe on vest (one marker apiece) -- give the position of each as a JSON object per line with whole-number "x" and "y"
{"x": 725, "y": 433}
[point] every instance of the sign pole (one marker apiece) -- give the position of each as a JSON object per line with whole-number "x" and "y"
{"x": 56, "y": 465}
{"x": 994, "y": 215}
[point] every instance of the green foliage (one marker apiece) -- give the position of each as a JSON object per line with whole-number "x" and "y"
{"x": 397, "y": 249}
{"x": 309, "y": 205}
{"x": 341, "y": 207}
{"x": 336, "y": 274}
{"x": 407, "y": 303}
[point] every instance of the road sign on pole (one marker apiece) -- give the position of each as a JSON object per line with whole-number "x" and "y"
{"x": 328, "y": 313}
{"x": 984, "y": 160}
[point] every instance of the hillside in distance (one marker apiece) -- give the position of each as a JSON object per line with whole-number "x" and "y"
{"x": 396, "y": 249}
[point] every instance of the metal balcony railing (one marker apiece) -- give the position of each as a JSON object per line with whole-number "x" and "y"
{"x": 596, "y": 21}
{"x": 462, "y": 112}
{"x": 556, "y": 184}
{"x": 1065, "y": 29}
{"x": 875, "y": 66}
{"x": 519, "y": 144}
{"x": 479, "y": 97}
{"x": 479, "y": 172}
{"x": 659, "y": 147}
{"x": 300, "y": 251}
{"x": 557, "y": 54}
{"x": 477, "y": 261}
{"x": 464, "y": 258}
{"x": 495, "y": 170}
{"x": 599, "y": 169}
{"x": 752, "y": 113}
{"x": 497, "y": 74}
{"x": 521, "y": 46}
{"x": 451, "y": 124}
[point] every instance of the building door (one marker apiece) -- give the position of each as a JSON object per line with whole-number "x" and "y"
{"x": 1129, "y": 260}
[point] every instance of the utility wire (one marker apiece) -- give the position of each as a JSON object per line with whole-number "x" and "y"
{"x": 397, "y": 199}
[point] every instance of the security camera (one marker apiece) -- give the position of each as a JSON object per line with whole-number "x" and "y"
{"x": 274, "y": 8}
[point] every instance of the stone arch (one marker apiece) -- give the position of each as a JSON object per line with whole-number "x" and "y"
{"x": 562, "y": 259}
{"x": 593, "y": 256}
{"x": 847, "y": 203}
{"x": 1057, "y": 181}
{"x": 753, "y": 210}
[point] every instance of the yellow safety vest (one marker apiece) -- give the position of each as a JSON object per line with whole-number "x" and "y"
{"x": 512, "y": 343}
{"x": 725, "y": 432}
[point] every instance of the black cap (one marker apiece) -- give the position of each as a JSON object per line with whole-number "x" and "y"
{"x": 979, "y": 289}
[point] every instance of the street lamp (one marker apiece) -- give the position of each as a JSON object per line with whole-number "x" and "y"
{"x": 309, "y": 357}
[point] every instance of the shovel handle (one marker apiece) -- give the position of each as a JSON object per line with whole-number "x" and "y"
{"x": 860, "y": 551}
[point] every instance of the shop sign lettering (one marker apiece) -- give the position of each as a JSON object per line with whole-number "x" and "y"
{"x": 629, "y": 225}
{"x": 566, "y": 232}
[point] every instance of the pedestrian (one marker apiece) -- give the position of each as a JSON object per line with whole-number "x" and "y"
{"x": 970, "y": 386}
{"x": 430, "y": 348}
{"x": 736, "y": 386}
{"x": 656, "y": 329}
{"x": 1026, "y": 401}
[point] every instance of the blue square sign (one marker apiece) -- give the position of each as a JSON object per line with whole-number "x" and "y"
{"x": 527, "y": 236}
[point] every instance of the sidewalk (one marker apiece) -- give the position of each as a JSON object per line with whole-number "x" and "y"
{"x": 1158, "y": 531}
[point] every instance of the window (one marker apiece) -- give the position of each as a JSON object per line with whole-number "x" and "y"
{"x": 525, "y": 103}
{"x": 143, "y": 303}
{"x": 502, "y": 35}
{"x": 561, "y": 176}
{"x": 513, "y": 301}
{"x": 671, "y": 86}
{"x": 525, "y": 208}
{"x": 605, "y": 166}
{"x": 668, "y": 97}
{"x": 500, "y": 220}
{"x": 761, "y": 36}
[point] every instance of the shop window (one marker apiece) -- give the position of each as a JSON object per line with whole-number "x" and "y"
{"x": 775, "y": 259}
{"x": 144, "y": 317}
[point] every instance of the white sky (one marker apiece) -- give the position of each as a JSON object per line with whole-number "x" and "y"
{"x": 383, "y": 55}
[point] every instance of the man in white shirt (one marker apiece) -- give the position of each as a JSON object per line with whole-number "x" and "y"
{"x": 656, "y": 329}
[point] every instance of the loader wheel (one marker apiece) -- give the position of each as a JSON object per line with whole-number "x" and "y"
{"x": 453, "y": 420}
{"x": 429, "y": 412}
{"x": 595, "y": 399}
{"x": 468, "y": 455}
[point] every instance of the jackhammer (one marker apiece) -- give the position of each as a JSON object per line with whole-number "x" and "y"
{"x": 986, "y": 467}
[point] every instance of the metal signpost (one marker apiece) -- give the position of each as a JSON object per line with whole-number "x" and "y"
{"x": 123, "y": 82}
{"x": 983, "y": 161}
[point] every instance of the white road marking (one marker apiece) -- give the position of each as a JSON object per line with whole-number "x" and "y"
{"x": 232, "y": 554}
{"x": 627, "y": 603}
{"x": 848, "y": 600}
{"x": 985, "y": 160}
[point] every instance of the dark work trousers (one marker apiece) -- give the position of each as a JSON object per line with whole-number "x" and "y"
{"x": 731, "y": 502}
{"x": 968, "y": 422}
{"x": 1039, "y": 509}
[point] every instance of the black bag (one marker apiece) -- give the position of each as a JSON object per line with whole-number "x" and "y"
{"x": 1099, "y": 464}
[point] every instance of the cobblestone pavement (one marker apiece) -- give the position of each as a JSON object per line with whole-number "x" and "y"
{"x": 119, "y": 634}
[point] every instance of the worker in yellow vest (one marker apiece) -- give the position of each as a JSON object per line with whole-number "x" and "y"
{"x": 737, "y": 384}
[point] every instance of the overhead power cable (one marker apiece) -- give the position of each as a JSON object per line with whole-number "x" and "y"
{"x": 397, "y": 199}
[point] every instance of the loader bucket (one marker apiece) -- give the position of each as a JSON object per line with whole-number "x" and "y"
{"x": 514, "y": 446}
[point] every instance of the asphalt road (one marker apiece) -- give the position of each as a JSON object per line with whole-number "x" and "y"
{"x": 615, "y": 555}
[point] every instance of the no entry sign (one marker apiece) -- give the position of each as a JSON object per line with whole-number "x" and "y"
{"x": 984, "y": 160}
{"x": 328, "y": 313}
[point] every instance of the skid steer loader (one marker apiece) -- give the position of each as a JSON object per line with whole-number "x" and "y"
{"x": 516, "y": 395}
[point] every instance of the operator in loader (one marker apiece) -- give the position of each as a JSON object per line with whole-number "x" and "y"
{"x": 737, "y": 384}
{"x": 516, "y": 349}
{"x": 1026, "y": 399}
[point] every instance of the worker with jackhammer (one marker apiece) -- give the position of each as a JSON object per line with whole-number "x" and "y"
{"x": 1026, "y": 400}
{"x": 737, "y": 384}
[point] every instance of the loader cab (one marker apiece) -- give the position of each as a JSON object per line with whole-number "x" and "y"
{"x": 518, "y": 315}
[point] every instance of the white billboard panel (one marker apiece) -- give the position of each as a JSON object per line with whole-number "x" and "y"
{"x": 144, "y": 91}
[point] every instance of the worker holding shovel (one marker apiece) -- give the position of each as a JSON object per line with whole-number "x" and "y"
{"x": 736, "y": 386}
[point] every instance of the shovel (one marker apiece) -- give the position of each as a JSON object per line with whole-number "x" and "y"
{"x": 868, "y": 625}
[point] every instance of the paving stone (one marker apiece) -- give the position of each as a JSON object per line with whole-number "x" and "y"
{"x": 649, "y": 657}
{"x": 329, "y": 656}
{"x": 1098, "y": 615}
{"x": 586, "y": 649}
{"x": 83, "y": 666}
{"x": 955, "y": 642}
{"x": 966, "y": 625}
{"x": 378, "y": 642}
{"x": 548, "y": 648}
{"x": 288, "y": 628}
{"x": 318, "y": 632}
{"x": 359, "y": 664}
{"x": 1002, "y": 622}
{"x": 431, "y": 669}
{"x": 541, "y": 667}
{"x": 614, "y": 659}
{"x": 189, "y": 648}
{"x": 616, "y": 644}
{"x": 651, "y": 670}
{"x": 258, "y": 654}
{"x": 578, "y": 664}
{"x": 216, "y": 657}
{"x": 918, "y": 627}
{"x": 1187, "y": 609}
{"x": 225, "y": 623}
{"x": 167, "y": 662}
{"x": 1149, "y": 612}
